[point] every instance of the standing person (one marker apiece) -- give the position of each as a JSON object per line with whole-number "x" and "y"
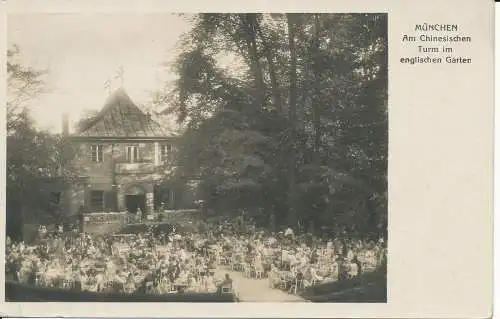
{"x": 359, "y": 266}
{"x": 139, "y": 215}
{"x": 272, "y": 220}
{"x": 311, "y": 227}
{"x": 58, "y": 220}
{"x": 242, "y": 221}
{"x": 81, "y": 217}
{"x": 343, "y": 245}
{"x": 203, "y": 208}
{"x": 341, "y": 267}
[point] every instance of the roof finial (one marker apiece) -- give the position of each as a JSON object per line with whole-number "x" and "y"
{"x": 120, "y": 74}
{"x": 107, "y": 86}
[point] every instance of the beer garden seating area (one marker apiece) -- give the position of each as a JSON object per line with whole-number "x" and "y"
{"x": 171, "y": 259}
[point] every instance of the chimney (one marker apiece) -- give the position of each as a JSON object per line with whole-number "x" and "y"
{"x": 65, "y": 124}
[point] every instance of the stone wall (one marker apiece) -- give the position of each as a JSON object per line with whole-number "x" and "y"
{"x": 103, "y": 173}
{"x": 75, "y": 197}
{"x": 105, "y": 218}
{"x": 71, "y": 196}
{"x": 188, "y": 195}
{"x": 115, "y": 175}
{"x": 146, "y": 152}
{"x": 145, "y": 182}
{"x": 107, "y": 176}
{"x": 98, "y": 173}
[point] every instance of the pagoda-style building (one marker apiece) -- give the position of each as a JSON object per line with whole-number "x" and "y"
{"x": 121, "y": 156}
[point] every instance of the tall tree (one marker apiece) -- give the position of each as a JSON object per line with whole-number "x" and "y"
{"x": 250, "y": 24}
{"x": 315, "y": 147}
{"x": 317, "y": 66}
{"x": 292, "y": 114}
{"x": 24, "y": 84}
{"x": 32, "y": 154}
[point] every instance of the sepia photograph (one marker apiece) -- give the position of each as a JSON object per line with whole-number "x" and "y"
{"x": 197, "y": 157}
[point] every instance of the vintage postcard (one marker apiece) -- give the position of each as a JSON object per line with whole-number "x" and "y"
{"x": 267, "y": 160}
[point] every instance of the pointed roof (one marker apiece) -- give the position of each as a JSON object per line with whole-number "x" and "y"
{"x": 120, "y": 117}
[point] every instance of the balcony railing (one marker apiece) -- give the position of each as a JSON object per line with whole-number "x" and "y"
{"x": 133, "y": 168}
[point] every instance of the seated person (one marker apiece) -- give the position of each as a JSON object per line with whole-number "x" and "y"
{"x": 226, "y": 285}
{"x": 212, "y": 265}
{"x": 193, "y": 285}
{"x": 353, "y": 269}
{"x": 314, "y": 275}
{"x": 130, "y": 284}
{"x": 210, "y": 285}
{"x": 335, "y": 270}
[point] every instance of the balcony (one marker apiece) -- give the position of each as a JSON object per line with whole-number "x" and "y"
{"x": 135, "y": 168}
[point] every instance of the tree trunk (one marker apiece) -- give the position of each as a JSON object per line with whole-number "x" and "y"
{"x": 275, "y": 87}
{"x": 250, "y": 22}
{"x": 292, "y": 113}
{"x": 317, "y": 91}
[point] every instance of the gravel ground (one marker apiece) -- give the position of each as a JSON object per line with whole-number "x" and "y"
{"x": 257, "y": 290}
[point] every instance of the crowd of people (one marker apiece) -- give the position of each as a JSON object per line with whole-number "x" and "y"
{"x": 188, "y": 261}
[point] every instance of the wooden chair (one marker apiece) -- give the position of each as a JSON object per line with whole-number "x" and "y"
{"x": 211, "y": 272}
{"x": 281, "y": 280}
{"x": 107, "y": 286}
{"x": 138, "y": 277}
{"x": 296, "y": 285}
{"x": 353, "y": 271}
{"x": 171, "y": 288}
{"x": 247, "y": 270}
{"x": 91, "y": 285}
{"x": 226, "y": 289}
{"x": 236, "y": 264}
{"x": 223, "y": 260}
{"x": 68, "y": 284}
{"x": 117, "y": 286}
{"x": 149, "y": 287}
{"x": 259, "y": 271}
{"x": 39, "y": 280}
{"x": 271, "y": 276}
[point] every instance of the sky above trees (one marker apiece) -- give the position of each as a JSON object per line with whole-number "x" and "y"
{"x": 80, "y": 52}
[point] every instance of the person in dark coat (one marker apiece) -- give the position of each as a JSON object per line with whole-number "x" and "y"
{"x": 81, "y": 217}
{"x": 226, "y": 283}
{"x": 342, "y": 268}
{"x": 314, "y": 256}
{"x": 358, "y": 263}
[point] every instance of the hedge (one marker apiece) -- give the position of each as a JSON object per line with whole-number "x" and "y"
{"x": 369, "y": 287}
{"x": 15, "y": 292}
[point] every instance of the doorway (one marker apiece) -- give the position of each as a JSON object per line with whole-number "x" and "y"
{"x": 163, "y": 198}
{"x": 134, "y": 202}
{"x": 135, "y": 198}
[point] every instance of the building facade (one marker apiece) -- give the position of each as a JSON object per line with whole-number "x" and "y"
{"x": 122, "y": 159}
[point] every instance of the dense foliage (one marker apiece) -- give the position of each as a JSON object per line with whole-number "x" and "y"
{"x": 32, "y": 154}
{"x": 297, "y": 126}
{"x": 283, "y": 115}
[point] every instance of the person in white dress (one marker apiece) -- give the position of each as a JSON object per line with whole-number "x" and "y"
{"x": 314, "y": 276}
{"x": 138, "y": 214}
{"x": 353, "y": 269}
{"x": 335, "y": 270}
{"x": 350, "y": 254}
{"x": 289, "y": 232}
